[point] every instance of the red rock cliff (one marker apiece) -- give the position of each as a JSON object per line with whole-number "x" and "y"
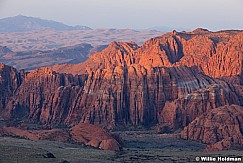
{"x": 10, "y": 80}
{"x": 124, "y": 84}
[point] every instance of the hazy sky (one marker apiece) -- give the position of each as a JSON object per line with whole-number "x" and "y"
{"x": 136, "y": 14}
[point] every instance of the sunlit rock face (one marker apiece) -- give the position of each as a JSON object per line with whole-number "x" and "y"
{"x": 171, "y": 79}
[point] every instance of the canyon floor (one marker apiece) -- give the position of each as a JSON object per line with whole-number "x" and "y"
{"x": 140, "y": 146}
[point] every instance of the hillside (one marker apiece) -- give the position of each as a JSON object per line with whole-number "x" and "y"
{"x": 52, "y": 39}
{"x": 31, "y": 60}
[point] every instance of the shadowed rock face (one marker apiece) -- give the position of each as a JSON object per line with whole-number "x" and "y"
{"x": 117, "y": 100}
{"x": 180, "y": 112}
{"x": 221, "y": 127}
{"x": 171, "y": 80}
{"x": 10, "y": 80}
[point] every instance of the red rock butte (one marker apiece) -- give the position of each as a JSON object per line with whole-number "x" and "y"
{"x": 173, "y": 79}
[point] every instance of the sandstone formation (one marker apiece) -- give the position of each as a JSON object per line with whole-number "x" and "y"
{"x": 10, "y": 80}
{"x": 217, "y": 54}
{"x": 129, "y": 85}
{"x": 82, "y": 133}
{"x": 94, "y": 136}
{"x": 170, "y": 81}
{"x": 221, "y": 127}
{"x": 105, "y": 99}
{"x": 183, "y": 110}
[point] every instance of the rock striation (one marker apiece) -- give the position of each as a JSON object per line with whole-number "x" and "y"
{"x": 183, "y": 110}
{"x": 10, "y": 80}
{"x": 110, "y": 100}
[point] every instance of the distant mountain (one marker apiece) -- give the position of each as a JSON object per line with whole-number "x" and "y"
{"x": 22, "y": 23}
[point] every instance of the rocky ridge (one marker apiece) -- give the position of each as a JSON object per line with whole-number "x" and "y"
{"x": 212, "y": 52}
{"x": 171, "y": 79}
